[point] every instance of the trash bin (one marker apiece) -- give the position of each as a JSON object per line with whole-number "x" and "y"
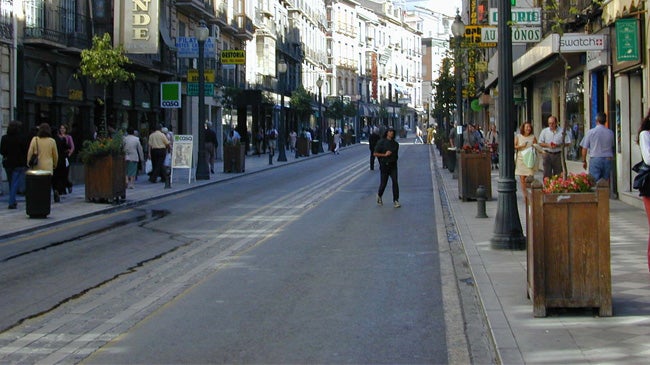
{"x": 38, "y": 187}
{"x": 315, "y": 146}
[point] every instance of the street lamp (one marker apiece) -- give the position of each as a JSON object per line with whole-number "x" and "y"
{"x": 282, "y": 69}
{"x": 202, "y": 172}
{"x": 508, "y": 233}
{"x": 319, "y": 83}
{"x": 458, "y": 31}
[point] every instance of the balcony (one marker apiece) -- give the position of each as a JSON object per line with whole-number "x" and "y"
{"x": 6, "y": 28}
{"x": 244, "y": 27}
{"x": 58, "y": 28}
{"x": 203, "y": 9}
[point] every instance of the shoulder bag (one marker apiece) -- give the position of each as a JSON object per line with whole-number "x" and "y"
{"x": 33, "y": 161}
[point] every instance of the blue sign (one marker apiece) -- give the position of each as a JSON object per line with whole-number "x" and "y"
{"x": 188, "y": 47}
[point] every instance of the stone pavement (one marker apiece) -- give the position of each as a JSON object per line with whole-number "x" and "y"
{"x": 564, "y": 337}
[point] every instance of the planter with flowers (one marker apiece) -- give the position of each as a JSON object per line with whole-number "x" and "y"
{"x": 104, "y": 169}
{"x": 474, "y": 169}
{"x": 568, "y": 258}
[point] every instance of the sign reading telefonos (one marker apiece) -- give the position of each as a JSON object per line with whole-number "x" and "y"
{"x": 170, "y": 94}
{"x": 579, "y": 42}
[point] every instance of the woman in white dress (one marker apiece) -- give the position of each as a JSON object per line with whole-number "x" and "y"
{"x": 526, "y": 138}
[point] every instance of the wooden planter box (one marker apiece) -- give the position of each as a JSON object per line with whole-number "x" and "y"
{"x": 302, "y": 145}
{"x": 474, "y": 169}
{"x": 568, "y": 250}
{"x": 234, "y": 158}
{"x": 449, "y": 158}
{"x": 105, "y": 179}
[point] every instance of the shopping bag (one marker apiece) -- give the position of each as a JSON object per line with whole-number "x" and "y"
{"x": 148, "y": 166}
{"x": 168, "y": 160}
{"x": 529, "y": 155}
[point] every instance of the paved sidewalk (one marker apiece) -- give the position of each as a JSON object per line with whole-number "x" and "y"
{"x": 571, "y": 337}
{"x": 568, "y": 336}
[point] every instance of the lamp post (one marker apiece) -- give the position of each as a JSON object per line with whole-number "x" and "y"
{"x": 458, "y": 31}
{"x": 202, "y": 172}
{"x": 508, "y": 233}
{"x": 319, "y": 83}
{"x": 282, "y": 155}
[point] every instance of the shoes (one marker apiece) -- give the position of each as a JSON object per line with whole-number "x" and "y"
{"x": 396, "y": 204}
{"x": 57, "y": 198}
{"x": 212, "y": 171}
{"x": 13, "y": 206}
{"x": 379, "y": 201}
{"x": 70, "y": 190}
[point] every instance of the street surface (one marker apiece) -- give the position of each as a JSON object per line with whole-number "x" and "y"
{"x": 291, "y": 265}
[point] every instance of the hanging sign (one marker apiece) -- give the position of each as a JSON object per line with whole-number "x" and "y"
{"x": 170, "y": 94}
{"x": 519, "y": 34}
{"x": 520, "y": 16}
{"x": 627, "y": 40}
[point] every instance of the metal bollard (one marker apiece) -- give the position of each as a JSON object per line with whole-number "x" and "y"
{"x": 480, "y": 202}
{"x": 168, "y": 176}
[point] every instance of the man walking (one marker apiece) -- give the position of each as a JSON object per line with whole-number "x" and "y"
{"x": 158, "y": 147}
{"x": 210, "y": 144}
{"x": 599, "y": 142}
{"x": 550, "y": 139}
{"x": 387, "y": 149}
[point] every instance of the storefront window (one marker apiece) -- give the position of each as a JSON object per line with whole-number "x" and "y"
{"x": 575, "y": 116}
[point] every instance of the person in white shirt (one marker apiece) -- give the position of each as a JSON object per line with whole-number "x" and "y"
{"x": 133, "y": 154}
{"x": 550, "y": 139}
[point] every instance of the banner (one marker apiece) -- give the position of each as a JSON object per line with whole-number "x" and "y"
{"x": 135, "y": 26}
{"x": 182, "y": 151}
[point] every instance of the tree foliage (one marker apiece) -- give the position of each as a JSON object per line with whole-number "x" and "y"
{"x": 104, "y": 64}
{"x": 445, "y": 92}
{"x": 301, "y": 103}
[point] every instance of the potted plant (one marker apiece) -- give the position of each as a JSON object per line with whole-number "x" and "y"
{"x": 568, "y": 258}
{"x": 104, "y": 169}
{"x": 474, "y": 169}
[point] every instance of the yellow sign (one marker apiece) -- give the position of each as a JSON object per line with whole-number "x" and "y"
{"x": 473, "y": 37}
{"x": 233, "y": 57}
{"x": 193, "y": 75}
{"x": 77, "y": 95}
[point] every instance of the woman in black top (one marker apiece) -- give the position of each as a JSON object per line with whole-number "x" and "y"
{"x": 387, "y": 150}
{"x": 13, "y": 147}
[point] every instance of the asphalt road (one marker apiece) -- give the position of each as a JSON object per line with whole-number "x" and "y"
{"x": 291, "y": 265}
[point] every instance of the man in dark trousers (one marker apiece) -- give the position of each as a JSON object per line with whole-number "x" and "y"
{"x": 387, "y": 149}
{"x": 372, "y": 140}
{"x": 210, "y": 144}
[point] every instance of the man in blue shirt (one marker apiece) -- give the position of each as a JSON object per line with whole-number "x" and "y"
{"x": 599, "y": 142}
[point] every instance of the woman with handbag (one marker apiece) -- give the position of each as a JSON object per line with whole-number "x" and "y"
{"x": 644, "y": 189}
{"x": 523, "y": 140}
{"x": 44, "y": 147}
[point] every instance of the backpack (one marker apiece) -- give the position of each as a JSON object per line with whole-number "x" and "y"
{"x": 273, "y": 134}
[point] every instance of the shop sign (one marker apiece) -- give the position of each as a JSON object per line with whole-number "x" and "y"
{"x": 138, "y": 31}
{"x": 44, "y": 91}
{"x": 188, "y": 47}
{"x": 597, "y": 59}
{"x": 519, "y": 34}
{"x": 126, "y": 102}
{"x": 473, "y": 37}
{"x": 193, "y": 75}
{"x": 520, "y": 16}
{"x": 170, "y": 94}
{"x": 580, "y": 42}
{"x": 75, "y": 95}
{"x": 193, "y": 89}
{"x": 233, "y": 57}
{"x": 627, "y": 40}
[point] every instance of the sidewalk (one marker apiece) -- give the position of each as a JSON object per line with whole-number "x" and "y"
{"x": 566, "y": 337}
{"x": 74, "y": 206}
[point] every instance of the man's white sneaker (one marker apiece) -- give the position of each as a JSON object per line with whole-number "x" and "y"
{"x": 396, "y": 204}
{"x": 379, "y": 201}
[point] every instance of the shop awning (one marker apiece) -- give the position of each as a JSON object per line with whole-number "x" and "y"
{"x": 615, "y": 9}
{"x": 368, "y": 110}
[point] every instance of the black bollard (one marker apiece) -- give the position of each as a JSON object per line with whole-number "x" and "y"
{"x": 270, "y": 159}
{"x": 480, "y": 202}
{"x": 168, "y": 177}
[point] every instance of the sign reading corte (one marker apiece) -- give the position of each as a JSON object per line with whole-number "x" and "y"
{"x": 170, "y": 94}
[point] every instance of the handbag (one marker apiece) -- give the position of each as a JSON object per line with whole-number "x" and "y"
{"x": 643, "y": 176}
{"x": 33, "y": 161}
{"x": 529, "y": 156}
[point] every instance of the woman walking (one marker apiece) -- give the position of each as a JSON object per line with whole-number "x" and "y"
{"x": 44, "y": 146}
{"x": 133, "y": 154}
{"x": 525, "y": 139}
{"x": 69, "y": 150}
{"x": 644, "y": 191}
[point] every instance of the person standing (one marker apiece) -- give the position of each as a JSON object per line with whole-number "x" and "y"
{"x": 13, "y": 148}
{"x": 550, "y": 139}
{"x": 492, "y": 142}
{"x": 473, "y": 138}
{"x": 158, "y": 147}
{"x": 44, "y": 146}
{"x": 387, "y": 150}
{"x": 60, "y": 176}
{"x": 133, "y": 154}
{"x": 644, "y": 191}
{"x": 293, "y": 138}
{"x": 599, "y": 142}
{"x": 525, "y": 139}
{"x": 272, "y": 136}
{"x": 210, "y": 144}
{"x": 337, "y": 142}
{"x": 69, "y": 150}
{"x": 372, "y": 141}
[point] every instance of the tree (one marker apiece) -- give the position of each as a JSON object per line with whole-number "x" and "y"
{"x": 445, "y": 93}
{"x": 301, "y": 104}
{"x": 103, "y": 64}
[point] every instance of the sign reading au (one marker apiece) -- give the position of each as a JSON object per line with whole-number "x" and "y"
{"x": 519, "y": 34}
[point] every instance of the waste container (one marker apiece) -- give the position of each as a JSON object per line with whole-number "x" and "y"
{"x": 38, "y": 187}
{"x": 315, "y": 146}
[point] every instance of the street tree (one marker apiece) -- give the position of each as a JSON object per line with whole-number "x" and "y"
{"x": 104, "y": 65}
{"x": 444, "y": 93}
